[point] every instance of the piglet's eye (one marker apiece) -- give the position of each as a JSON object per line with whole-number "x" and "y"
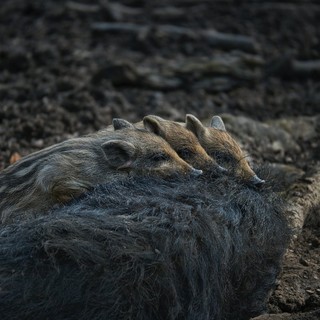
{"x": 224, "y": 158}
{"x": 185, "y": 153}
{"x": 159, "y": 157}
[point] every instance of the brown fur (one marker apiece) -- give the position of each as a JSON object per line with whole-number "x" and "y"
{"x": 183, "y": 141}
{"x": 68, "y": 169}
{"x": 219, "y": 144}
{"x": 214, "y": 141}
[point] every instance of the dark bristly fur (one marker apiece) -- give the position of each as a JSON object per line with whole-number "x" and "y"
{"x": 146, "y": 249}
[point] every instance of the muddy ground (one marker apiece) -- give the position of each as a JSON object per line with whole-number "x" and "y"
{"x": 63, "y": 74}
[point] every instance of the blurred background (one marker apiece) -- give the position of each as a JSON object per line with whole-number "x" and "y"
{"x": 68, "y": 67}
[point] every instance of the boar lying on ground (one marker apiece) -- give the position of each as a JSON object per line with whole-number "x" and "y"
{"x": 145, "y": 248}
{"x": 66, "y": 170}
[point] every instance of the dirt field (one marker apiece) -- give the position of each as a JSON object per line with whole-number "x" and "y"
{"x": 64, "y": 74}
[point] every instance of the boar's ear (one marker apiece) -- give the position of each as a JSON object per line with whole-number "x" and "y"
{"x": 194, "y": 125}
{"x": 153, "y": 124}
{"x": 121, "y": 124}
{"x": 217, "y": 123}
{"x": 119, "y": 154}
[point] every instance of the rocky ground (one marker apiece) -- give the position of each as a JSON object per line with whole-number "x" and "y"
{"x": 68, "y": 67}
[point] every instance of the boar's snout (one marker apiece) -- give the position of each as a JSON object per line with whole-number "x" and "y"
{"x": 196, "y": 172}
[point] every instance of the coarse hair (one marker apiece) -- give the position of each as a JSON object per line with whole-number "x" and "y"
{"x": 146, "y": 248}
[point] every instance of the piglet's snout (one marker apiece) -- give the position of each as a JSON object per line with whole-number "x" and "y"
{"x": 196, "y": 172}
{"x": 222, "y": 169}
{"x": 257, "y": 181}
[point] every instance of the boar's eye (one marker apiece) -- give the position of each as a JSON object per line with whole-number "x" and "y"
{"x": 185, "y": 153}
{"x": 159, "y": 157}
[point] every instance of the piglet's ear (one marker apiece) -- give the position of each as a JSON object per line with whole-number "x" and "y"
{"x": 217, "y": 123}
{"x": 153, "y": 124}
{"x": 194, "y": 125}
{"x": 121, "y": 124}
{"x": 119, "y": 154}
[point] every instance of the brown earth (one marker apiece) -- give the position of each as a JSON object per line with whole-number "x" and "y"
{"x": 61, "y": 77}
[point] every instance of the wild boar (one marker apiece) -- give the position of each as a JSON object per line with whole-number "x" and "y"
{"x": 64, "y": 171}
{"x": 206, "y": 148}
{"x": 220, "y": 145}
{"x": 183, "y": 141}
{"x": 146, "y": 248}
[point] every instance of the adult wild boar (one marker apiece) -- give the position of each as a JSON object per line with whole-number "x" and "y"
{"x": 145, "y": 248}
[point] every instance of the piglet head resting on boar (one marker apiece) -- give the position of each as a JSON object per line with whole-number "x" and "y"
{"x": 219, "y": 144}
{"x": 183, "y": 141}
